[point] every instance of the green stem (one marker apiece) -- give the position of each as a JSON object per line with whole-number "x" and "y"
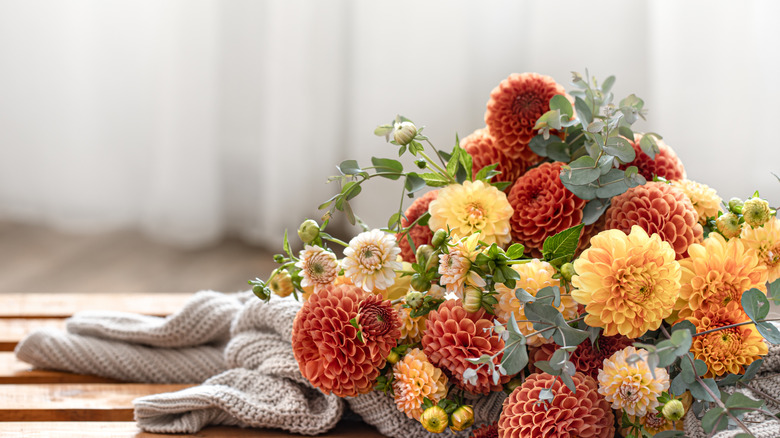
{"x": 552, "y": 327}
{"x": 335, "y": 240}
{"x": 436, "y": 151}
{"x": 706, "y": 332}
{"x": 437, "y": 167}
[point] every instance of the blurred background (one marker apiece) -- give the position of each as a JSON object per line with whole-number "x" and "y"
{"x": 166, "y": 145}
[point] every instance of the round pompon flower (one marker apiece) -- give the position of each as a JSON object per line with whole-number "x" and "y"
{"x": 729, "y": 350}
{"x": 542, "y": 207}
{"x": 628, "y": 283}
{"x": 420, "y": 234}
{"x": 766, "y": 242}
{"x": 370, "y": 260}
{"x": 716, "y": 273}
{"x": 587, "y": 358}
{"x": 318, "y": 267}
{"x": 583, "y": 413}
{"x": 454, "y": 335}
{"x": 705, "y": 200}
{"x": 485, "y": 431}
{"x": 481, "y": 146}
{"x": 666, "y": 164}
{"x": 472, "y": 207}
{"x": 631, "y": 386}
{"x": 534, "y": 276}
{"x": 414, "y": 380}
{"x": 326, "y": 345}
{"x": 514, "y": 106}
{"x": 657, "y": 208}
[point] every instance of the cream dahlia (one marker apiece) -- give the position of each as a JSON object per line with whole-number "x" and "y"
{"x": 631, "y": 386}
{"x": 705, "y": 200}
{"x": 455, "y": 265}
{"x": 765, "y": 241}
{"x": 414, "y": 380}
{"x": 318, "y": 267}
{"x": 370, "y": 260}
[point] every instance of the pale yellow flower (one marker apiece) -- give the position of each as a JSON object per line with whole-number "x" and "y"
{"x": 318, "y": 267}
{"x": 705, "y": 200}
{"x": 455, "y": 265}
{"x": 370, "y": 260}
{"x": 414, "y": 379}
{"x": 766, "y": 241}
{"x": 472, "y": 207}
{"x": 631, "y": 386}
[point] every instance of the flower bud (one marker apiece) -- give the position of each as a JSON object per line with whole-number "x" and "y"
{"x": 404, "y": 133}
{"x": 422, "y": 164}
{"x": 472, "y": 299}
{"x": 281, "y": 284}
{"x": 308, "y": 231}
{"x": 420, "y": 283}
{"x": 567, "y": 271}
{"x": 756, "y": 212}
{"x": 393, "y": 357}
{"x": 728, "y": 225}
{"x": 434, "y": 419}
{"x": 511, "y": 385}
{"x": 735, "y": 205}
{"x": 423, "y": 254}
{"x": 414, "y": 299}
{"x": 260, "y": 292}
{"x": 673, "y": 410}
{"x": 438, "y": 238}
{"x": 433, "y": 261}
{"x": 462, "y": 418}
{"x": 278, "y": 258}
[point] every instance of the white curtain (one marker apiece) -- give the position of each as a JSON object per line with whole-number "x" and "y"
{"x": 191, "y": 119}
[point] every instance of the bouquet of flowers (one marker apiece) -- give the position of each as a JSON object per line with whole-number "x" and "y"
{"x": 556, "y": 255}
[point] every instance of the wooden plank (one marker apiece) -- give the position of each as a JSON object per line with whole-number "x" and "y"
{"x": 130, "y": 430}
{"x": 74, "y": 402}
{"x": 12, "y": 330}
{"x": 53, "y": 305}
{"x": 12, "y": 370}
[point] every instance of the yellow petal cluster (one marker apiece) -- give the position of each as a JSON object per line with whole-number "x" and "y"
{"x": 534, "y": 276}
{"x": 766, "y": 241}
{"x": 411, "y": 328}
{"x": 472, "y": 207}
{"x": 716, "y": 273}
{"x": 628, "y": 282}
{"x": 415, "y": 379}
{"x": 631, "y": 386}
{"x": 705, "y": 200}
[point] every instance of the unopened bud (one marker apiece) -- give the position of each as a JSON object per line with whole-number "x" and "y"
{"x": 393, "y": 357}
{"x": 673, "y": 410}
{"x": 567, "y": 271}
{"x": 420, "y": 283}
{"x": 434, "y": 419}
{"x": 308, "y": 231}
{"x": 414, "y": 299}
{"x": 462, "y": 418}
{"x": 404, "y": 133}
{"x": 278, "y": 258}
{"x": 422, "y": 164}
{"x": 260, "y": 292}
{"x": 472, "y": 299}
{"x": 756, "y": 212}
{"x": 735, "y": 205}
{"x": 511, "y": 385}
{"x": 438, "y": 238}
{"x": 281, "y": 284}
{"x": 423, "y": 254}
{"x": 728, "y": 225}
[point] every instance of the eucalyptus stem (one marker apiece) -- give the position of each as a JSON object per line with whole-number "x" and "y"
{"x": 706, "y": 332}
{"x": 552, "y": 326}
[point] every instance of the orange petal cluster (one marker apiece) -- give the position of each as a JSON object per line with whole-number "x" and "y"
{"x": 665, "y": 164}
{"x": 729, "y": 350}
{"x": 584, "y": 413}
{"x": 765, "y": 240}
{"x": 420, "y": 234}
{"x": 542, "y": 207}
{"x": 326, "y": 345}
{"x": 485, "y": 431}
{"x": 414, "y": 380}
{"x": 481, "y": 146}
{"x": 514, "y": 106}
{"x": 454, "y": 335}
{"x": 587, "y": 358}
{"x": 657, "y": 208}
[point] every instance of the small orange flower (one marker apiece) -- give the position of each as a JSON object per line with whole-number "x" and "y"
{"x": 414, "y": 380}
{"x": 420, "y": 234}
{"x": 665, "y": 164}
{"x": 765, "y": 241}
{"x": 481, "y": 146}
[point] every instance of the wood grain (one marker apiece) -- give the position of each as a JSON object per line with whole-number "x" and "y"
{"x": 74, "y": 402}
{"x": 12, "y": 330}
{"x": 53, "y": 305}
{"x": 12, "y": 370}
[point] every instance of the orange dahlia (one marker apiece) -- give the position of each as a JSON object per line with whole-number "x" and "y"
{"x": 729, "y": 350}
{"x": 583, "y": 413}
{"x": 420, "y": 234}
{"x": 587, "y": 358}
{"x": 657, "y": 208}
{"x": 716, "y": 273}
{"x": 414, "y": 380}
{"x": 454, "y": 335}
{"x": 326, "y": 344}
{"x": 411, "y": 328}
{"x": 704, "y": 199}
{"x": 485, "y": 431}
{"x": 481, "y": 146}
{"x": 665, "y": 164}
{"x": 542, "y": 207}
{"x": 628, "y": 282}
{"x": 765, "y": 241}
{"x": 514, "y": 106}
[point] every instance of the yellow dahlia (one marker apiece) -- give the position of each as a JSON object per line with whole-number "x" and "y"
{"x": 729, "y": 350}
{"x": 705, "y": 200}
{"x": 370, "y": 260}
{"x": 472, "y": 207}
{"x": 631, "y": 386}
{"x": 766, "y": 241}
{"x": 534, "y": 276}
{"x": 414, "y": 379}
{"x": 455, "y": 265}
{"x": 411, "y": 328}
{"x": 628, "y": 283}
{"x": 716, "y": 273}
{"x": 318, "y": 267}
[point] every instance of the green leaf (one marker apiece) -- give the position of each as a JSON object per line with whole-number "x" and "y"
{"x": 393, "y": 220}
{"x": 774, "y": 291}
{"x": 714, "y": 420}
{"x": 388, "y": 165}
{"x": 435, "y": 179}
{"x": 515, "y": 356}
{"x": 413, "y": 182}
{"x": 383, "y": 130}
{"x": 350, "y": 167}
{"x": 580, "y": 171}
{"x": 486, "y": 172}
{"x": 620, "y": 148}
{"x": 698, "y": 392}
{"x": 751, "y": 371}
{"x": 583, "y": 111}
{"x": 685, "y": 325}
{"x": 586, "y": 191}
{"x": 350, "y": 190}
{"x": 755, "y": 303}
{"x": 626, "y": 132}
{"x": 561, "y": 103}
{"x": 649, "y": 145}
{"x": 523, "y": 296}
{"x": 539, "y": 144}
{"x": 563, "y": 244}
{"x": 738, "y": 400}
{"x": 559, "y": 151}
{"x": 769, "y": 332}
{"x": 515, "y": 251}
{"x": 467, "y": 163}
{"x": 593, "y": 211}
{"x": 607, "y": 84}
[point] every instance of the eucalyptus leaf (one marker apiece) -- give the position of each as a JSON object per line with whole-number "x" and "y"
{"x": 539, "y": 144}
{"x": 585, "y": 191}
{"x": 649, "y": 145}
{"x": 523, "y": 296}
{"x": 730, "y": 379}
{"x": 593, "y": 211}
{"x": 714, "y": 420}
{"x": 583, "y": 111}
{"x": 755, "y": 303}
{"x": 612, "y": 184}
{"x": 769, "y": 332}
{"x": 569, "y": 336}
{"x": 620, "y": 148}
{"x": 626, "y": 132}
{"x": 569, "y": 382}
{"x": 751, "y": 370}
{"x": 607, "y": 84}
{"x": 581, "y": 171}
{"x": 559, "y": 151}
{"x": 738, "y": 400}
{"x": 605, "y": 164}
{"x": 562, "y": 104}
{"x": 596, "y": 126}
{"x": 698, "y": 391}
{"x": 546, "y": 367}
{"x": 774, "y": 291}
{"x": 684, "y": 325}
{"x": 678, "y": 385}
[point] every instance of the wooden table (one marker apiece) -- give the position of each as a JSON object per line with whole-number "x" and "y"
{"x": 45, "y": 403}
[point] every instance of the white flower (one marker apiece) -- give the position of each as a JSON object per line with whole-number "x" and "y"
{"x": 318, "y": 267}
{"x": 370, "y": 260}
